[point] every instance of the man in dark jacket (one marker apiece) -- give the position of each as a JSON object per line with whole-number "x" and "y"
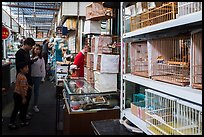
{"x": 23, "y": 55}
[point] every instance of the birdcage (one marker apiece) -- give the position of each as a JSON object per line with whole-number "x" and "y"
{"x": 171, "y": 60}
{"x": 164, "y": 12}
{"x": 90, "y": 76}
{"x": 98, "y": 67}
{"x": 185, "y": 8}
{"x": 197, "y": 60}
{"x": 169, "y": 116}
{"x": 90, "y": 60}
{"x": 139, "y": 59}
{"x": 96, "y": 11}
{"x": 103, "y": 44}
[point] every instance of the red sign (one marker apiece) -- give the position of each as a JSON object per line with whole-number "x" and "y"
{"x": 5, "y": 33}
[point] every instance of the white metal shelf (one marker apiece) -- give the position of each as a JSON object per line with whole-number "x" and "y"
{"x": 135, "y": 120}
{"x": 180, "y": 21}
{"x": 186, "y": 93}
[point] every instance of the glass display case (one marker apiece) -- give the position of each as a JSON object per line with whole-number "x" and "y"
{"x": 84, "y": 104}
{"x": 81, "y": 96}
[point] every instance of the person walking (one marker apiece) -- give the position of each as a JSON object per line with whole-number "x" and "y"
{"x": 37, "y": 73}
{"x": 23, "y": 55}
{"x": 20, "y": 93}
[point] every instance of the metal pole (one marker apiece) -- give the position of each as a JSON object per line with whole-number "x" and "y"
{"x": 10, "y": 18}
{"x": 4, "y": 49}
{"x": 23, "y": 23}
{"x": 18, "y": 21}
{"x": 77, "y": 24}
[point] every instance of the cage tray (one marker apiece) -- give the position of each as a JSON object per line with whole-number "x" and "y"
{"x": 197, "y": 86}
{"x": 167, "y": 79}
{"x": 141, "y": 73}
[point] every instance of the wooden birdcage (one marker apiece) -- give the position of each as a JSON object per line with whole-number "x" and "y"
{"x": 103, "y": 42}
{"x": 90, "y": 76}
{"x": 167, "y": 115}
{"x": 171, "y": 60}
{"x": 139, "y": 59}
{"x": 197, "y": 60}
{"x": 96, "y": 11}
{"x": 166, "y": 11}
{"x": 98, "y": 67}
{"x": 185, "y": 8}
{"x": 90, "y": 61}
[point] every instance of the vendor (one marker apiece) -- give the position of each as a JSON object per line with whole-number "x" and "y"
{"x": 78, "y": 64}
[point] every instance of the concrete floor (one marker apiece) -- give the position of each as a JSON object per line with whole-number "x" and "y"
{"x": 43, "y": 122}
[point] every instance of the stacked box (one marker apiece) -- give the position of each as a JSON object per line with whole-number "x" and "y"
{"x": 96, "y": 11}
{"x": 138, "y": 105}
{"x": 92, "y": 27}
{"x": 137, "y": 110}
{"x": 105, "y": 82}
{"x": 109, "y": 63}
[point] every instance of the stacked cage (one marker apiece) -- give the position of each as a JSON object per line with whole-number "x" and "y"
{"x": 197, "y": 60}
{"x": 139, "y": 59}
{"x": 169, "y": 116}
{"x": 171, "y": 60}
{"x": 96, "y": 11}
{"x": 152, "y": 13}
{"x": 89, "y": 70}
{"x": 185, "y": 8}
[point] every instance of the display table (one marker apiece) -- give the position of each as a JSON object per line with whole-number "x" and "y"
{"x": 82, "y": 107}
{"x": 110, "y": 127}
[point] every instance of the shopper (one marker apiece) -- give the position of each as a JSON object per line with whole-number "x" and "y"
{"x": 37, "y": 73}
{"x": 79, "y": 62}
{"x": 23, "y": 55}
{"x": 45, "y": 51}
{"x": 20, "y": 93}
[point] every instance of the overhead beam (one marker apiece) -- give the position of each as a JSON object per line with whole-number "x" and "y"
{"x": 37, "y": 16}
{"x": 30, "y": 7}
{"x": 40, "y": 25}
{"x": 38, "y": 29}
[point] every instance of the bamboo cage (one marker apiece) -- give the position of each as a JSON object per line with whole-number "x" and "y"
{"x": 103, "y": 44}
{"x": 96, "y": 11}
{"x": 90, "y": 76}
{"x": 171, "y": 60}
{"x": 100, "y": 44}
{"x": 166, "y": 11}
{"x": 185, "y": 8}
{"x": 90, "y": 60}
{"x": 169, "y": 116}
{"x": 139, "y": 59}
{"x": 98, "y": 67}
{"x": 197, "y": 60}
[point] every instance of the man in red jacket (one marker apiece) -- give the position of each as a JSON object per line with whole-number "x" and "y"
{"x": 79, "y": 61}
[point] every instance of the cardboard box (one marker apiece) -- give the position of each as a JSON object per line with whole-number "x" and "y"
{"x": 138, "y": 111}
{"x": 105, "y": 82}
{"x": 109, "y": 63}
{"x": 93, "y": 27}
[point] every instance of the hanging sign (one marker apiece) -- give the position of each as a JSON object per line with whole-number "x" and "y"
{"x": 5, "y": 33}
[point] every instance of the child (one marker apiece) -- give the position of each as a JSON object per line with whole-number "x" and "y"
{"x": 37, "y": 73}
{"x": 19, "y": 96}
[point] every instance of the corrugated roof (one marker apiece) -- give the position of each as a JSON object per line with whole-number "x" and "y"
{"x": 36, "y": 14}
